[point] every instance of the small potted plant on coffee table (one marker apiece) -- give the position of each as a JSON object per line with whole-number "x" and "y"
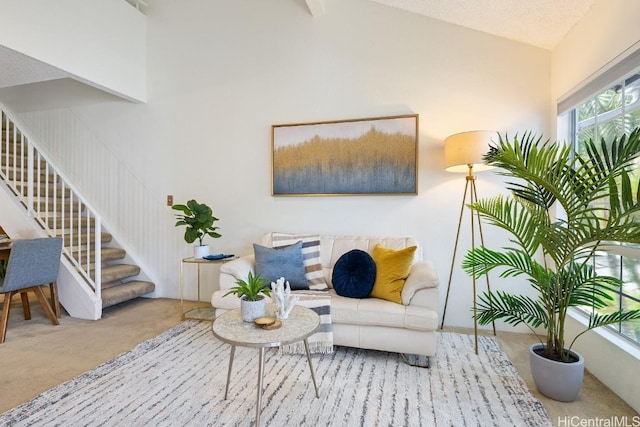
{"x": 252, "y": 296}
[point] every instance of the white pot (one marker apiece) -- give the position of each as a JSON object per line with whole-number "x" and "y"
{"x": 251, "y": 310}
{"x": 200, "y": 251}
{"x": 560, "y": 381}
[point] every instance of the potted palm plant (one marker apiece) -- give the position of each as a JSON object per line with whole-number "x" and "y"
{"x": 252, "y": 293}
{"x": 198, "y": 219}
{"x": 553, "y": 250}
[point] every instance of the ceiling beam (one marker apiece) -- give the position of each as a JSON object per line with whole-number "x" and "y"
{"x": 316, "y": 7}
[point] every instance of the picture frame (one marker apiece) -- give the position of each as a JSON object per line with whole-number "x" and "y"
{"x": 369, "y": 156}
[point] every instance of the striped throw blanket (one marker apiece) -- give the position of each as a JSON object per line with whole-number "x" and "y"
{"x": 322, "y": 340}
{"x": 310, "y": 254}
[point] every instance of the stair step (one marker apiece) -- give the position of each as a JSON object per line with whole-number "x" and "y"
{"x": 106, "y": 254}
{"x": 125, "y": 292}
{"x": 110, "y": 254}
{"x": 58, "y": 206}
{"x": 74, "y": 222}
{"x": 51, "y": 188}
{"x": 84, "y": 239}
{"x": 116, "y": 272}
{"x": 12, "y": 174}
{"x": 20, "y": 161}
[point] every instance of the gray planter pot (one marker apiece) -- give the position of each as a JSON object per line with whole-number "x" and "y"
{"x": 251, "y": 310}
{"x": 557, "y": 380}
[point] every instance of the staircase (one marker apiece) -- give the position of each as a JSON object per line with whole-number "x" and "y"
{"x": 104, "y": 270}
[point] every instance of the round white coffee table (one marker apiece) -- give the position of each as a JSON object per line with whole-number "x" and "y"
{"x": 230, "y": 328}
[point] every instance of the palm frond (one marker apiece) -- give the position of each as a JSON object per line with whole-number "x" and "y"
{"x": 622, "y": 201}
{"x": 512, "y": 309}
{"x": 586, "y": 288}
{"x": 515, "y": 218}
{"x": 596, "y": 320}
{"x": 481, "y": 261}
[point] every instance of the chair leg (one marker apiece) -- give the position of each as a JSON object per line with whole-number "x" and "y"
{"x": 4, "y": 319}
{"x": 55, "y": 302}
{"x": 45, "y": 304}
{"x": 24, "y": 296}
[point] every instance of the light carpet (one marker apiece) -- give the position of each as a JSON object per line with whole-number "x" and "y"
{"x": 178, "y": 379}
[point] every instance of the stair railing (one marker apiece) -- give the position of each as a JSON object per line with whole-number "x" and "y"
{"x": 51, "y": 201}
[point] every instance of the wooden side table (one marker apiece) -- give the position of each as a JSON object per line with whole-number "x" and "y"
{"x": 200, "y": 313}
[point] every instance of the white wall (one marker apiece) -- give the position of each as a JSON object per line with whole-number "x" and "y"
{"x": 221, "y": 73}
{"x": 78, "y": 37}
{"x": 605, "y": 35}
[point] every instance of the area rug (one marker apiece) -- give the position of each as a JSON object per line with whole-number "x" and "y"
{"x": 178, "y": 379}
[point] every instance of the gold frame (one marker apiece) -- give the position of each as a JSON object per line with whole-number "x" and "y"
{"x": 302, "y": 162}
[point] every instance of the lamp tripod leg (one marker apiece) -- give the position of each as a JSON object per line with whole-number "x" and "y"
{"x": 453, "y": 259}
{"x": 474, "y": 197}
{"x": 470, "y": 187}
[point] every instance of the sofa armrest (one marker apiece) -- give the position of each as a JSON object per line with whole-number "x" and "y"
{"x": 239, "y": 268}
{"x": 422, "y": 276}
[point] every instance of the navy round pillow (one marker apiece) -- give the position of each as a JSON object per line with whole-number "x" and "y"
{"x": 354, "y": 274}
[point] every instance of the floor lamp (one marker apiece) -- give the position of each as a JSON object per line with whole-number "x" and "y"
{"x": 463, "y": 153}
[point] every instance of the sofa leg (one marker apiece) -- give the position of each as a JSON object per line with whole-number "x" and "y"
{"x": 416, "y": 360}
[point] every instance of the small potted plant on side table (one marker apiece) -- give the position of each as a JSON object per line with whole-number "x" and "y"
{"x": 198, "y": 219}
{"x": 252, "y": 296}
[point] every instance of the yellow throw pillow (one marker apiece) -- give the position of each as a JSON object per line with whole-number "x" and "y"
{"x": 392, "y": 269}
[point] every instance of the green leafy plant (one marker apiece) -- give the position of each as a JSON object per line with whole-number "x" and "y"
{"x": 597, "y": 201}
{"x": 198, "y": 219}
{"x": 252, "y": 288}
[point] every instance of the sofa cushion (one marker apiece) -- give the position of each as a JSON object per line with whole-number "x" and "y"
{"x": 287, "y": 262}
{"x": 377, "y": 312}
{"x": 392, "y": 269}
{"x": 310, "y": 253}
{"x": 354, "y": 274}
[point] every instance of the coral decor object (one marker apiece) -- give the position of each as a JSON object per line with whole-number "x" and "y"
{"x": 282, "y": 297}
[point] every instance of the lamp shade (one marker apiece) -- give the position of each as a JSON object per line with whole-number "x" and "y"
{"x": 466, "y": 149}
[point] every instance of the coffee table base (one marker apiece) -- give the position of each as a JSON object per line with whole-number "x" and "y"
{"x": 261, "y": 374}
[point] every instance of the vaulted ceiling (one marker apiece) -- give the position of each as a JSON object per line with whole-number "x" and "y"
{"x": 541, "y": 23}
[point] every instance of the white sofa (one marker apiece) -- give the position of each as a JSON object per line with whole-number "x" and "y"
{"x": 371, "y": 323}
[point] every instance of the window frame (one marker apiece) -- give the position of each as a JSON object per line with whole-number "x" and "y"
{"x": 568, "y": 121}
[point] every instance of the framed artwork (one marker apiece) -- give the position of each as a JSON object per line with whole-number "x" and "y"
{"x": 373, "y": 156}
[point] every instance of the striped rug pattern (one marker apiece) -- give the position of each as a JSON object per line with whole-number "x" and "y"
{"x": 178, "y": 379}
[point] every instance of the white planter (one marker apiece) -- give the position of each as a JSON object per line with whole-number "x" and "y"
{"x": 558, "y": 380}
{"x": 200, "y": 251}
{"x": 251, "y": 310}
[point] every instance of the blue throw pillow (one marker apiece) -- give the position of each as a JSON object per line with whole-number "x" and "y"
{"x": 354, "y": 274}
{"x": 286, "y": 261}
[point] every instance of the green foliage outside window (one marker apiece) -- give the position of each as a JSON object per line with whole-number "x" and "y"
{"x": 607, "y": 116}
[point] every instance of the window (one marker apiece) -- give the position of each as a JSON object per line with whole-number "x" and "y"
{"x": 612, "y": 112}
